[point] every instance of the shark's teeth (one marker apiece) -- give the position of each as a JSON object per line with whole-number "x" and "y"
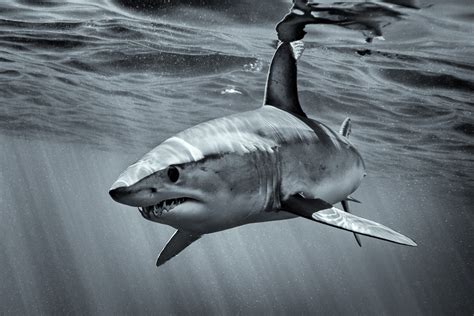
{"x": 144, "y": 212}
{"x": 157, "y": 209}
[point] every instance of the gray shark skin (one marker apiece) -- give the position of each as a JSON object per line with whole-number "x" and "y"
{"x": 236, "y": 170}
{"x": 272, "y": 163}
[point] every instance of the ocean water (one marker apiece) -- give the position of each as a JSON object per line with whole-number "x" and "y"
{"x": 87, "y": 87}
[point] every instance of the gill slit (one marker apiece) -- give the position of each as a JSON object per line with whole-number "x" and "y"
{"x": 268, "y": 165}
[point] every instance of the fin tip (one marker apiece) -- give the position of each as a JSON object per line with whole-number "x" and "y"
{"x": 297, "y": 48}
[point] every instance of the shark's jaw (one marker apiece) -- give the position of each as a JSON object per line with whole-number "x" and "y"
{"x": 159, "y": 208}
{"x": 155, "y": 198}
{"x": 171, "y": 206}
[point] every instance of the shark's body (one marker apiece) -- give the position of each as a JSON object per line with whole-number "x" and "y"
{"x": 271, "y": 163}
{"x": 261, "y": 157}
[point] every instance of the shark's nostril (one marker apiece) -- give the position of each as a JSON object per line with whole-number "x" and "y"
{"x": 153, "y": 190}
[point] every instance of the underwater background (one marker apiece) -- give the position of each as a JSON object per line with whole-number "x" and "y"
{"x": 88, "y": 86}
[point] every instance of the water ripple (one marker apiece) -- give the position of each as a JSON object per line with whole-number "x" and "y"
{"x": 118, "y": 78}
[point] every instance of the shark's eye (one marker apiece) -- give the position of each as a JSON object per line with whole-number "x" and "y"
{"x": 173, "y": 174}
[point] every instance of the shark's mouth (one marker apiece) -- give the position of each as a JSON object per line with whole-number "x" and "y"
{"x": 163, "y": 206}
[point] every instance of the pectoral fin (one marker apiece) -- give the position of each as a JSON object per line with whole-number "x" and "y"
{"x": 323, "y": 212}
{"x": 180, "y": 240}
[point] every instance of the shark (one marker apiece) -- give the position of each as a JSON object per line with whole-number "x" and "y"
{"x": 271, "y": 163}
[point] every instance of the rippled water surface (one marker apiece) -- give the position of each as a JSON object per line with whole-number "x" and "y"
{"x": 87, "y": 87}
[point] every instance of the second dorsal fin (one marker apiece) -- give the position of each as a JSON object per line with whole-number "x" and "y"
{"x": 281, "y": 89}
{"x": 345, "y": 129}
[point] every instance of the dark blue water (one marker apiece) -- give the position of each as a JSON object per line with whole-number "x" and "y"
{"x": 87, "y": 87}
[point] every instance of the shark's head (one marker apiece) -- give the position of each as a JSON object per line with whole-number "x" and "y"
{"x": 165, "y": 181}
{"x": 191, "y": 185}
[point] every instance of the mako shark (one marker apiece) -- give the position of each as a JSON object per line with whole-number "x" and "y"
{"x": 272, "y": 163}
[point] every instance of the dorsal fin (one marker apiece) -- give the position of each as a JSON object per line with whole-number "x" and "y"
{"x": 281, "y": 89}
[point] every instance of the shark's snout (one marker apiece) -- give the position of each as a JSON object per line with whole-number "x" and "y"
{"x": 133, "y": 197}
{"x": 118, "y": 193}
